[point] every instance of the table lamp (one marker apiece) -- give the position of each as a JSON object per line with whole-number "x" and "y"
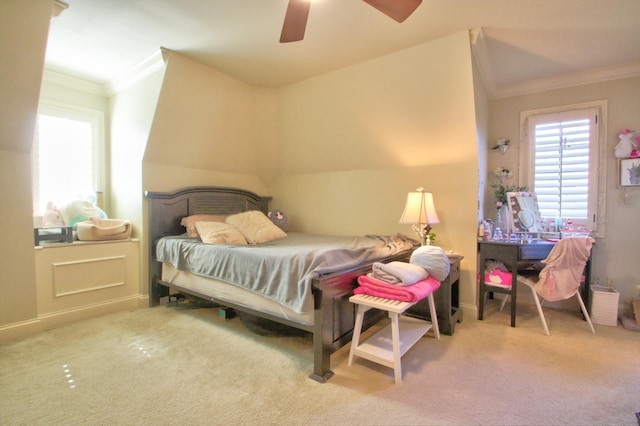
{"x": 420, "y": 212}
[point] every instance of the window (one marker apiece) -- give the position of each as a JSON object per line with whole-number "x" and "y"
{"x": 563, "y": 162}
{"x": 67, "y": 156}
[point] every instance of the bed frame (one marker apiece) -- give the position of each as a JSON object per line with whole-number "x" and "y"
{"x": 334, "y": 315}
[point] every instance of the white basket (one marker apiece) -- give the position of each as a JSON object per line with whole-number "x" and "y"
{"x": 604, "y": 305}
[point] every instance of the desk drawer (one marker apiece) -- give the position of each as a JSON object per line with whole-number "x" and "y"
{"x": 535, "y": 251}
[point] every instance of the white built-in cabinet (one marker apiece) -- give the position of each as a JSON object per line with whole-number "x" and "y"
{"x": 84, "y": 279}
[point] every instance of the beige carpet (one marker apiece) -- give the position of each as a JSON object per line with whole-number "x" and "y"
{"x": 169, "y": 366}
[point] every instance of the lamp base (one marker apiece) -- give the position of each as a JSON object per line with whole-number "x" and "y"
{"x": 422, "y": 232}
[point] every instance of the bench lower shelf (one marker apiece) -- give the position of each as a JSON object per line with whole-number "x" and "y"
{"x": 379, "y": 347}
{"x": 387, "y": 346}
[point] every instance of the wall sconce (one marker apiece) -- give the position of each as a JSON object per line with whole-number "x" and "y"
{"x": 502, "y": 145}
{"x": 420, "y": 212}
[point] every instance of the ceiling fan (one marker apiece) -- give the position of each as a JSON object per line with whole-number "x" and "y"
{"x": 295, "y": 19}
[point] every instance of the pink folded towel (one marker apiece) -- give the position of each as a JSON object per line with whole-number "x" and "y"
{"x": 498, "y": 277}
{"x": 413, "y": 293}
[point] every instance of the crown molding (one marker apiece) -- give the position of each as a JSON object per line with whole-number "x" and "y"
{"x": 569, "y": 80}
{"x": 484, "y": 66}
{"x": 150, "y": 64}
{"x": 147, "y": 66}
{"x": 55, "y": 77}
{"x": 480, "y": 55}
{"x": 57, "y": 8}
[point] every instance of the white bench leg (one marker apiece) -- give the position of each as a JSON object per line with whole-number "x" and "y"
{"x": 356, "y": 331}
{"x": 395, "y": 337}
{"x": 434, "y": 316}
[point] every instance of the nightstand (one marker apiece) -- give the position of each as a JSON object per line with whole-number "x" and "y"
{"x": 446, "y": 299}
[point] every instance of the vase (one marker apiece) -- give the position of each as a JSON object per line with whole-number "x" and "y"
{"x": 498, "y": 226}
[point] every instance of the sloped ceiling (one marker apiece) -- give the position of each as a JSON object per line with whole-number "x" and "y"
{"x": 521, "y": 45}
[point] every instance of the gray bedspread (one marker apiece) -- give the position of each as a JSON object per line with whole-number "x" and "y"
{"x": 281, "y": 270}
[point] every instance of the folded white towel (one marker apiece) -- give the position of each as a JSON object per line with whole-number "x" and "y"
{"x": 433, "y": 259}
{"x": 398, "y": 273}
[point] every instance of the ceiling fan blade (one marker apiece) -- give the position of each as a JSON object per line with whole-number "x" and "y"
{"x": 395, "y": 9}
{"x": 295, "y": 21}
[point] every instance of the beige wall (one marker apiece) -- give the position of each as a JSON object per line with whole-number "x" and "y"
{"x": 204, "y": 120}
{"x": 23, "y": 36}
{"x": 353, "y": 142}
{"x": 204, "y": 131}
{"x": 615, "y": 256}
{"x": 132, "y": 113}
{"x": 338, "y": 152}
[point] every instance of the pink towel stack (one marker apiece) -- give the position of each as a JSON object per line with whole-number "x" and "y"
{"x": 412, "y": 293}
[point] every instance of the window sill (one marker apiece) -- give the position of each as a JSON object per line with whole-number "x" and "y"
{"x": 56, "y": 244}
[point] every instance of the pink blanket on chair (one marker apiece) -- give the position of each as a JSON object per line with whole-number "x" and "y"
{"x": 412, "y": 293}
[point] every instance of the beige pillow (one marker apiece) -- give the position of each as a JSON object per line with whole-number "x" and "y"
{"x": 219, "y": 233}
{"x": 189, "y": 222}
{"x": 256, "y": 227}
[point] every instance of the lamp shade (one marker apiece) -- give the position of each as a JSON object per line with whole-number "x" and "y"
{"x": 419, "y": 208}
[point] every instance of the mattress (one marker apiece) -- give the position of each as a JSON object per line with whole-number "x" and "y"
{"x": 225, "y": 292}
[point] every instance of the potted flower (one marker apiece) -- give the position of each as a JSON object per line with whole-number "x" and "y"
{"x": 500, "y": 191}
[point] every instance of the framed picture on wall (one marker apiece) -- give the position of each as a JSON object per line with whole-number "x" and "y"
{"x": 629, "y": 171}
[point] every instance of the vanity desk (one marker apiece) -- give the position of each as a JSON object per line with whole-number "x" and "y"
{"x": 513, "y": 254}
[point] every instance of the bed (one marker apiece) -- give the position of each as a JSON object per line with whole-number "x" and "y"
{"x": 321, "y": 305}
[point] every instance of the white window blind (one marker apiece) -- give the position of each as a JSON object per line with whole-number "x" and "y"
{"x": 561, "y": 168}
{"x": 562, "y": 161}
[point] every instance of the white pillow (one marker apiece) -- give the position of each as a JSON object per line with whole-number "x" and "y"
{"x": 433, "y": 259}
{"x": 256, "y": 227}
{"x": 219, "y": 233}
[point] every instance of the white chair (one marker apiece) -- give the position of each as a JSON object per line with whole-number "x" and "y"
{"x": 561, "y": 276}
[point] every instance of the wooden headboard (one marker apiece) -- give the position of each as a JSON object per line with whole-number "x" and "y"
{"x": 166, "y": 210}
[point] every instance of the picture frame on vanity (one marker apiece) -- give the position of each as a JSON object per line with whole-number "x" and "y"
{"x": 629, "y": 172}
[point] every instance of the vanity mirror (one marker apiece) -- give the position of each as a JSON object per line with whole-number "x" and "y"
{"x": 524, "y": 213}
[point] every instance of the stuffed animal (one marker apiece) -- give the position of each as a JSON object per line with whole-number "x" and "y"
{"x": 636, "y": 152}
{"x": 79, "y": 211}
{"x": 496, "y": 273}
{"x": 626, "y": 144}
{"x": 52, "y": 218}
{"x": 279, "y": 219}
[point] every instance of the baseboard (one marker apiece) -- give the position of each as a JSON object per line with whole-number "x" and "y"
{"x": 143, "y": 301}
{"x": 50, "y": 320}
{"x": 469, "y": 312}
{"x": 19, "y": 330}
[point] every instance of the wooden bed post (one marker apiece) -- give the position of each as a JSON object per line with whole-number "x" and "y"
{"x": 322, "y": 339}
